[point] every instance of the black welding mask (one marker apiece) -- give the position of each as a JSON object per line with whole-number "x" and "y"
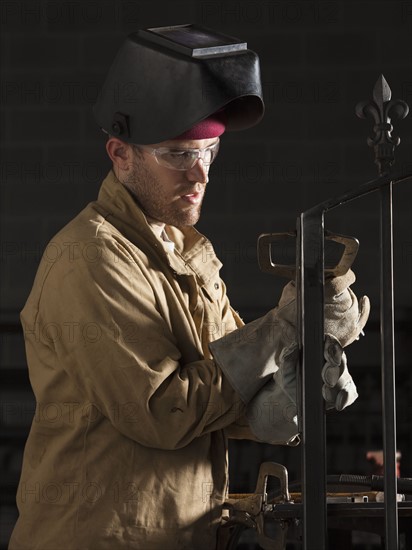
{"x": 165, "y": 80}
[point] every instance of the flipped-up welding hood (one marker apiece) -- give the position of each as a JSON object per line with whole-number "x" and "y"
{"x": 165, "y": 80}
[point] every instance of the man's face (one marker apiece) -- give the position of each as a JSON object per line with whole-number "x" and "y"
{"x": 173, "y": 197}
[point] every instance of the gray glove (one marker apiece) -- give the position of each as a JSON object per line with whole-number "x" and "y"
{"x": 345, "y": 316}
{"x": 339, "y": 390}
{"x": 249, "y": 356}
{"x": 260, "y": 342}
{"x": 272, "y": 413}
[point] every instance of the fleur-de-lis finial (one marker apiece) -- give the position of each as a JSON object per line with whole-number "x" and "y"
{"x": 382, "y": 109}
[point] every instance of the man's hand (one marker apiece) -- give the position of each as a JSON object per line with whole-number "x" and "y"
{"x": 260, "y": 359}
{"x": 272, "y": 413}
{"x": 345, "y": 316}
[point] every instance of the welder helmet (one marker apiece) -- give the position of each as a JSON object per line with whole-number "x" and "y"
{"x": 165, "y": 80}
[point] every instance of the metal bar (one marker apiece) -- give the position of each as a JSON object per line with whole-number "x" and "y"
{"x": 311, "y": 255}
{"x": 388, "y": 369}
{"x": 362, "y": 190}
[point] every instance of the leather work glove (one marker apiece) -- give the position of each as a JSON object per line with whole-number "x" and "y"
{"x": 345, "y": 315}
{"x": 250, "y": 355}
{"x": 272, "y": 413}
{"x": 339, "y": 390}
{"x": 251, "y": 358}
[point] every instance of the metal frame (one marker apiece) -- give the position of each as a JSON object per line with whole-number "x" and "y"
{"x": 310, "y": 256}
{"x": 310, "y": 514}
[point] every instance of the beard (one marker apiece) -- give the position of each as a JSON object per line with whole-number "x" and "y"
{"x": 160, "y": 200}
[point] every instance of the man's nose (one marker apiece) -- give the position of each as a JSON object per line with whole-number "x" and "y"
{"x": 199, "y": 172}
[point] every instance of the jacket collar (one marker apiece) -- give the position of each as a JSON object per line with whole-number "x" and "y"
{"x": 193, "y": 251}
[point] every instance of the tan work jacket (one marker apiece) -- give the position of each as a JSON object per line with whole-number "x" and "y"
{"x": 127, "y": 447}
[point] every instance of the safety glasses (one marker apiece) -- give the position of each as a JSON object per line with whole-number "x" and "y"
{"x": 182, "y": 159}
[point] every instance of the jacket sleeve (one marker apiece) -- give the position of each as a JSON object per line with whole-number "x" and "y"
{"x": 112, "y": 340}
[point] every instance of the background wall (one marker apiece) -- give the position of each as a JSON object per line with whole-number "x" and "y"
{"x": 318, "y": 59}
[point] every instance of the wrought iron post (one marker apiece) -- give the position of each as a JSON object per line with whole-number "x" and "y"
{"x": 310, "y": 232}
{"x": 381, "y": 108}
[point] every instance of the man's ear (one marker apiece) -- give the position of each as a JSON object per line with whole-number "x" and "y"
{"x": 120, "y": 153}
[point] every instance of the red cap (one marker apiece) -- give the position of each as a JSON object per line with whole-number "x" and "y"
{"x": 210, "y": 127}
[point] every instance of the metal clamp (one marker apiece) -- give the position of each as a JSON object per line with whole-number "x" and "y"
{"x": 250, "y": 510}
{"x": 278, "y": 539}
{"x": 267, "y": 265}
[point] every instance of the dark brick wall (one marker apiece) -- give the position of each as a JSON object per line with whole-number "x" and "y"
{"x": 318, "y": 58}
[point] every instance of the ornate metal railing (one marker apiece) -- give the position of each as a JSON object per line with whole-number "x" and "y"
{"x": 310, "y": 258}
{"x": 306, "y": 515}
